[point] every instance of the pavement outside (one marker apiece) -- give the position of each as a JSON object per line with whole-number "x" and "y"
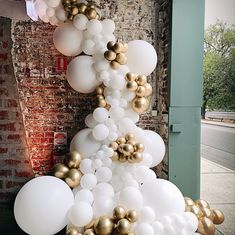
{"x": 218, "y": 188}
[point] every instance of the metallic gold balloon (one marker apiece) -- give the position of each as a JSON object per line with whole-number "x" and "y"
{"x": 123, "y": 226}
{"x": 195, "y": 210}
{"x": 73, "y": 178}
{"x": 188, "y": 201}
{"x": 131, "y": 86}
{"x": 130, "y": 159}
{"x": 82, "y": 7}
{"x": 130, "y": 77}
{"x": 132, "y": 142}
{"x": 148, "y": 89}
{"x": 137, "y": 157}
{"x": 130, "y": 233}
{"x": 218, "y": 216}
{"x": 120, "y": 148}
{"x": 60, "y": 170}
{"x": 124, "y": 47}
{"x": 100, "y": 90}
{"x": 119, "y": 213}
{"x": 132, "y": 216}
{"x": 73, "y": 159}
{"x": 206, "y": 226}
{"x": 89, "y": 232}
{"x": 104, "y": 226}
{"x": 207, "y": 212}
{"x": 74, "y": 11}
{"x": 114, "y": 145}
{"x": 114, "y": 64}
{"x": 141, "y": 80}
{"x": 110, "y": 55}
{"x": 117, "y": 47}
{"x": 140, "y": 91}
{"x": 121, "y": 58}
{"x": 127, "y": 149}
{"x": 100, "y": 97}
{"x": 110, "y": 45}
{"x": 102, "y": 103}
{"x": 139, "y": 147}
{"x": 202, "y": 203}
{"x": 121, "y": 140}
{"x": 140, "y": 104}
{"x": 122, "y": 158}
{"x": 73, "y": 231}
{"x": 90, "y": 225}
{"x": 91, "y": 13}
{"x": 115, "y": 156}
{"x": 129, "y": 136}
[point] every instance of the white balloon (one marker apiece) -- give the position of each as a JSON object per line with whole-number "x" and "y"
{"x": 103, "y": 174}
{"x": 104, "y": 189}
{"x": 52, "y": 3}
{"x": 60, "y": 14}
{"x": 155, "y": 146}
{"x": 40, "y": 8}
{"x": 103, "y": 206}
{"x": 100, "y": 132}
{"x": 126, "y": 125}
{"x": 131, "y": 198}
{"x": 88, "y": 47}
{"x": 88, "y": 181}
{"x": 100, "y": 114}
{"x": 81, "y": 74}
{"x": 67, "y": 39}
{"x": 169, "y": 229}
{"x": 144, "y": 229}
{"x": 158, "y": 228}
{"x": 130, "y": 113}
{"x": 94, "y": 26}
{"x": 85, "y": 143}
{"x": 90, "y": 121}
{"x": 116, "y": 113}
{"x": 163, "y": 196}
{"x": 108, "y": 26}
{"x": 147, "y": 214}
{"x": 86, "y": 166}
{"x": 132, "y": 183}
{"x": 50, "y": 11}
{"x": 141, "y": 57}
{"x": 80, "y": 21}
{"x": 147, "y": 159}
{"x": 117, "y": 82}
{"x": 81, "y": 214}
{"x": 36, "y": 207}
{"x": 84, "y": 195}
{"x": 97, "y": 163}
{"x": 192, "y": 221}
{"x": 143, "y": 174}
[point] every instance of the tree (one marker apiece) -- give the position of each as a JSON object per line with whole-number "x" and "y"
{"x": 219, "y": 68}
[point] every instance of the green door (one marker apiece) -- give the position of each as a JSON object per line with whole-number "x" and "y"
{"x": 186, "y": 60}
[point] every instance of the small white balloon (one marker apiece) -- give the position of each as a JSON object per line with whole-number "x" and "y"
{"x": 90, "y": 121}
{"x": 143, "y": 174}
{"x": 50, "y": 11}
{"x": 191, "y": 220}
{"x": 101, "y": 114}
{"x": 108, "y": 26}
{"x": 158, "y": 228}
{"x": 147, "y": 214}
{"x": 88, "y": 181}
{"x": 103, "y": 174}
{"x": 80, "y": 21}
{"x": 88, "y": 47}
{"x": 81, "y": 214}
{"x": 126, "y": 125}
{"x": 84, "y": 195}
{"x": 104, "y": 189}
{"x": 60, "y": 14}
{"x": 86, "y": 166}
{"x": 100, "y": 132}
{"x": 130, "y": 113}
{"x": 52, "y": 3}
{"x": 116, "y": 113}
{"x": 143, "y": 229}
{"x": 97, "y": 163}
{"x": 94, "y": 26}
{"x": 103, "y": 206}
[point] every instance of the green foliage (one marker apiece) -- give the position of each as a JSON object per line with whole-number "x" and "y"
{"x": 219, "y": 68}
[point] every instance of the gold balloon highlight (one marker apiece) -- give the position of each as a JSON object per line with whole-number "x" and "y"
{"x": 104, "y": 226}
{"x": 60, "y": 170}
{"x": 73, "y": 231}
{"x": 73, "y": 178}
{"x": 218, "y": 216}
{"x": 73, "y": 159}
{"x": 206, "y": 226}
{"x": 140, "y": 104}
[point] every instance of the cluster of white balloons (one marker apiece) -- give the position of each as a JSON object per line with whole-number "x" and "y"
{"x": 46, "y": 204}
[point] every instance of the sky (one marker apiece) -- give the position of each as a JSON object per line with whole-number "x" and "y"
{"x": 219, "y": 9}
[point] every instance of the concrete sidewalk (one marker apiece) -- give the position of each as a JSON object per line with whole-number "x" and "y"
{"x": 218, "y": 188}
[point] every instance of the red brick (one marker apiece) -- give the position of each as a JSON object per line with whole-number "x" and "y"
{"x": 12, "y": 162}
{"x": 13, "y": 137}
{"x": 7, "y": 127}
{"x": 11, "y": 103}
{"x": 22, "y": 173}
{"x": 5, "y": 173}
{"x": 3, "y": 150}
{"x": 4, "y": 115}
{"x": 13, "y": 184}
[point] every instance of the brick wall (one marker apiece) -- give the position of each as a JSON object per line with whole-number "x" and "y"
{"x": 15, "y": 167}
{"x": 47, "y": 102}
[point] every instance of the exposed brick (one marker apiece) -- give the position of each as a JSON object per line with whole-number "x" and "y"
{"x": 3, "y": 150}
{"x": 12, "y": 162}
{"x": 14, "y": 137}
{"x": 4, "y": 115}
{"x": 5, "y": 173}
{"x": 22, "y": 173}
{"x": 13, "y": 184}
{"x": 11, "y": 103}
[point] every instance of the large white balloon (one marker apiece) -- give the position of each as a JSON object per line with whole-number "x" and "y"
{"x": 42, "y": 204}
{"x": 67, "y": 39}
{"x": 155, "y": 146}
{"x": 141, "y": 57}
{"x": 163, "y": 196}
{"x": 85, "y": 143}
{"x": 81, "y": 74}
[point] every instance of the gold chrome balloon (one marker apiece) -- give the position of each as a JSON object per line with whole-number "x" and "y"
{"x": 91, "y": 13}
{"x": 123, "y": 226}
{"x": 130, "y": 77}
{"x": 137, "y": 157}
{"x": 82, "y": 7}
{"x": 73, "y": 178}
{"x": 124, "y": 47}
{"x": 73, "y": 159}
{"x": 119, "y": 213}
{"x": 188, "y": 201}
{"x": 140, "y": 91}
{"x": 131, "y": 86}
{"x": 202, "y": 203}
{"x": 100, "y": 90}
{"x": 60, "y": 170}
{"x": 148, "y": 89}
{"x": 74, "y": 11}
{"x": 115, "y": 156}
{"x": 218, "y": 216}
{"x": 139, "y": 147}
{"x": 89, "y": 232}
{"x": 90, "y": 225}
{"x": 207, "y": 212}
{"x": 132, "y": 142}
{"x": 121, "y": 58}
{"x": 206, "y": 226}
{"x": 114, "y": 145}
{"x": 110, "y": 55}
{"x": 122, "y": 158}
{"x": 140, "y": 104}
{"x": 114, "y": 64}
{"x": 73, "y": 231}
{"x": 110, "y": 45}
{"x": 127, "y": 149}
{"x": 102, "y": 103}
{"x": 121, "y": 140}
{"x": 132, "y": 216}
{"x": 104, "y": 226}
{"x": 141, "y": 80}
{"x": 129, "y": 136}
{"x": 117, "y": 47}
{"x": 195, "y": 210}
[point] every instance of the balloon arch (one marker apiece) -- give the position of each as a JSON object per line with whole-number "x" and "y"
{"x": 105, "y": 185}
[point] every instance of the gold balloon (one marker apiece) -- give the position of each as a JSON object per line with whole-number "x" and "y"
{"x": 121, "y": 58}
{"x": 130, "y": 233}
{"x": 127, "y": 149}
{"x": 141, "y": 80}
{"x": 120, "y": 148}
{"x": 207, "y": 212}
{"x": 67, "y": 7}
{"x": 123, "y": 226}
{"x": 114, "y": 64}
{"x": 140, "y": 91}
{"x": 117, "y": 47}
{"x": 195, "y": 210}
{"x": 60, "y": 170}
{"x": 206, "y": 226}
{"x": 90, "y": 225}
{"x": 100, "y": 90}
{"x": 202, "y": 203}
{"x": 91, "y": 13}
{"x": 89, "y": 232}
{"x": 115, "y": 156}
{"x": 124, "y": 47}
{"x": 132, "y": 142}
{"x": 188, "y": 201}
{"x": 137, "y": 157}
{"x": 74, "y": 11}
{"x": 110, "y": 55}
{"x": 73, "y": 178}
{"x": 104, "y": 226}
{"x": 130, "y": 77}
{"x": 121, "y": 140}
{"x": 129, "y": 136}
{"x": 130, "y": 159}
{"x": 102, "y": 103}
{"x": 110, "y": 45}
{"x": 131, "y": 86}
{"x": 139, "y": 147}
{"x": 140, "y": 105}
{"x": 72, "y": 231}
{"x": 122, "y": 158}
{"x": 132, "y": 216}
{"x": 100, "y": 97}
{"x": 82, "y": 7}
{"x": 148, "y": 89}
{"x": 218, "y": 216}
{"x": 114, "y": 145}
{"x": 119, "y": 213}
{"x": 73, "y": 159}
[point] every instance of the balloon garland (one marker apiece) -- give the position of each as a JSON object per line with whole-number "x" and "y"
{"x": 114, "y": 191}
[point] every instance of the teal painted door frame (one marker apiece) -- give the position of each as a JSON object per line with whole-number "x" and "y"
{"x": 185, "y": 94}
